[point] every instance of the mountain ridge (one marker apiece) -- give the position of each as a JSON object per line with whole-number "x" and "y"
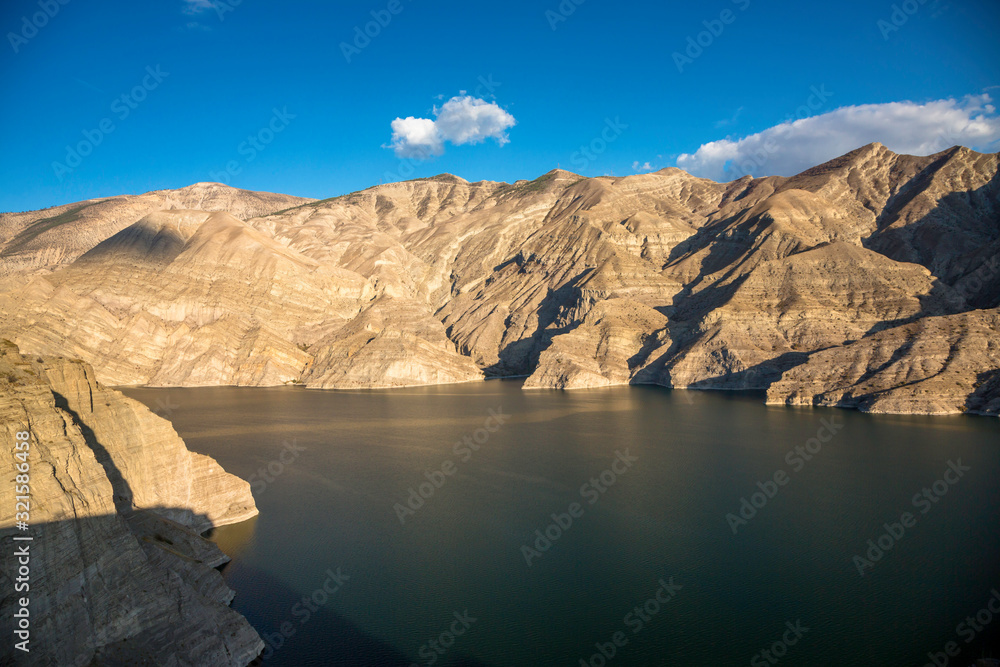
{"x": 660, "y": 277}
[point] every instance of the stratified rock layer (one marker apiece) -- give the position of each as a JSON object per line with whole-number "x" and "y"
{"x": 119, "y": 573}
{"x": 36, "y": 241}
{"x": 927, "y": 366}
{"x": 574, "y": 282}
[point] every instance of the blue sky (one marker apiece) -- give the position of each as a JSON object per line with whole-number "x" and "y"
{"x": 541, "y": 80}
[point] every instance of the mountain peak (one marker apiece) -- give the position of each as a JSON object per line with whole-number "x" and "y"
{"x": 874, "y": 148}
{"x": 443, "y": 178}
{"x": 200, "y": 186}
{"x": 562, "y": 173}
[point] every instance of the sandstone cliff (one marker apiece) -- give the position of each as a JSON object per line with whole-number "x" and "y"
{"x": 575, "y": 282}
{"x": 119, "y": 573}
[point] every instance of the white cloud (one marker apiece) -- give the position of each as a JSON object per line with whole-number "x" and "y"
{"x": 197, "y": 6}
{"x": 461, "y": 120}
{"x": 416, "y": 137}
{"x": 903, "y": 127}
{"x": 469, "y": 120}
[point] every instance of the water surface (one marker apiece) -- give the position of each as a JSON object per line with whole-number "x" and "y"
{"x": 350, "y": 457}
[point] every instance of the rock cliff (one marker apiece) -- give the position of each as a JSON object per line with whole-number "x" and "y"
{"x": 658, "y": 278}
{"x": 119, "y": 573}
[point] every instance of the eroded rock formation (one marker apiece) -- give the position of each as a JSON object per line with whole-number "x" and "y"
{"x": 119, "y": 573}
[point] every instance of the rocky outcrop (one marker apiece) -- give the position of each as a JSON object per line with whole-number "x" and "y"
{"x": 574, "y": 282}
{"x": 926, "y": 366}
{"x": 815, "y": 299}
{"x": 600, "y": 350}
{"x": 392, "y": 343}
{"x": 119, "y": 573}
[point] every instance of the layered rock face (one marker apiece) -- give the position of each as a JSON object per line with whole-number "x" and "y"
{"x": 42, "y": 240}
{"x": 574, "y": 282}
{"x": 926, "y": 366}
{"x": 119, "y": 573}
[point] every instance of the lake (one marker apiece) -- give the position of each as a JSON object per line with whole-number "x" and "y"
{"x": 398, "y": 527}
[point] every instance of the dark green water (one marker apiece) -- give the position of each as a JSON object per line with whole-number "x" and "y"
{"x": 692, "y": 457}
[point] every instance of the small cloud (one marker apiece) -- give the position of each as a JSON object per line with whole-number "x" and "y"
{"x": 197, "y": 6}
{"x": 903, "y": 127}
{"x": 642, "y": 167}
{"x": 469, "y": 120}
{"x": 729, "y": 121}
{"x": 460, "y": 120}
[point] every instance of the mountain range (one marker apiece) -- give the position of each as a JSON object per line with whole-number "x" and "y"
{"x": 871, "y": 282}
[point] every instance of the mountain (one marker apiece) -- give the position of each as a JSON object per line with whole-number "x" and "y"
{"x": 870, "y": 281}
{"x": 119, "y": 572}
{"x": 56, "y": 236}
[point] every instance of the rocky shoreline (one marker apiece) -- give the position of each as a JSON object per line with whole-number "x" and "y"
{"x": 119, "y": 572}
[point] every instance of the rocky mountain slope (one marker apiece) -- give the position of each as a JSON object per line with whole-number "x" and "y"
{"x": 39, "y": 240}
{"x": 574, "y": 282}
{"x": 119, "y": 573}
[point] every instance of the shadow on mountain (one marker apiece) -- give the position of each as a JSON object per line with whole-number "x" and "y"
{"x": 721, "y": 251}
{"x": 758, "y": 377}
{"x": 958, "y": 240}
{"x": 912, "y": 189}
{"x": 986, "y": 397}
{"x": 141, "y": 243}
{"x": 116, "y": 590}
{"x": 939, "y": 301}
{"x": 119, "y": 486}
{"x": 139, "y": 586}
{"x": 684, "y": 314}
{"x": 521, "y": 356}
{"x": 32, "y": 231}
